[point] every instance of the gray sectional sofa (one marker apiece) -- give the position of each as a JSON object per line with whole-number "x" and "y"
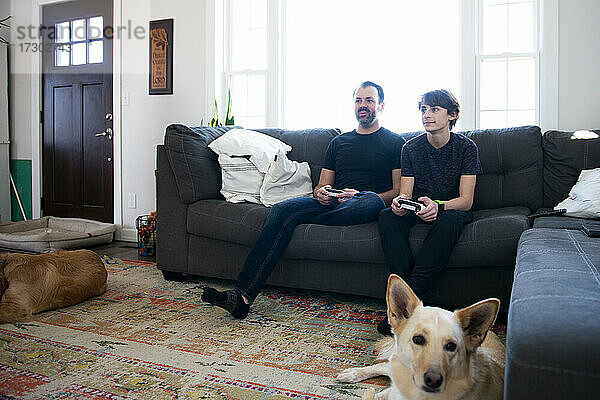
{"x": 201, "y": 234}
{"x": 553, "y": 341}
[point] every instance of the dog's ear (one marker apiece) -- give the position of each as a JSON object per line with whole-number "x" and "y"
{"x": 401, "y": 301}
{"x": 476, "y": 320}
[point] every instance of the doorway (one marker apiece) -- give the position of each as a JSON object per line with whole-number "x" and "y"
{"x": 77, "y": 104}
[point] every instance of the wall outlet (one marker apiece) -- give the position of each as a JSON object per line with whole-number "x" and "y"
{"x": 131, "y": 203}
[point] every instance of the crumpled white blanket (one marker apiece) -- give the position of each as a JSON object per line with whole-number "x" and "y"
{"x": 584, "y": 197}
{"x": 255, "y": 168}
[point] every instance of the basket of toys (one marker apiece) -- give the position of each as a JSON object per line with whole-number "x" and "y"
{"x": 146, "y": 234}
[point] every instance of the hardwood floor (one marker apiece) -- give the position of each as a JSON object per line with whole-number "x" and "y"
{"x": 119, "y": 249}
{"x": 126, "y": 250}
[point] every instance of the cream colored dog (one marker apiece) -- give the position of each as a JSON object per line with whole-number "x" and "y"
{"x": 31, "y": 284}
{"x": 436, "y": 354}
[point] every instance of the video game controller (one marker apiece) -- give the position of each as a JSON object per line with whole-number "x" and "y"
{"x": 334, "y": 192}
{"x": 411, "y": 205}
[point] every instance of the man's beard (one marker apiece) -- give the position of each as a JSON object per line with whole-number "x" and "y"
{"x": 368, "y": 121}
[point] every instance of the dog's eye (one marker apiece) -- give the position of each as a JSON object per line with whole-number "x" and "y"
{"x": 450, "y": 346}
{"x": 418, "y": 339}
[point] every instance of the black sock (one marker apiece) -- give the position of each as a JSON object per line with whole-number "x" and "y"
{"x": 384, "y": 327}
{"x": 229, "y": 300}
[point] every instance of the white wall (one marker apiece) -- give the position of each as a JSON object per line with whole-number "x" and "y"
{"x": 579, "y": 65}
{"x": 20, "y": 83}
{"x": 144, "y": 118}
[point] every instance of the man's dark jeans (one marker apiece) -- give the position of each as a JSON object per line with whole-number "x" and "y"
{"x": 420, "y": 271}
{"x": 284, "y": 217}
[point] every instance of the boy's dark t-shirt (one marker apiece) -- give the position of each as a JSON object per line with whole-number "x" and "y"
{"x": 437, "y": 171}
{"x": 364, "y": 162}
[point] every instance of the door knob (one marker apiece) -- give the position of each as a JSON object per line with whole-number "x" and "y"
{"x": 108, "y": 132}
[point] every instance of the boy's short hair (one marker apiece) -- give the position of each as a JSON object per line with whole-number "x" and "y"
{"x": 442, "y": 98}
{"x": 376, "y": 86}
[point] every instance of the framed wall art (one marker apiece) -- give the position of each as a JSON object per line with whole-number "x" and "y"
{"x": 161, "y": 57}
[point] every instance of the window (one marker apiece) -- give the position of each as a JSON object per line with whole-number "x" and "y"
{"x": 79, "y": 42}
{"x": 401, "y": 45}
{"x": 508, "y": 63}
{"x": 246, "y": 64}
{"x": 292, "y": 67}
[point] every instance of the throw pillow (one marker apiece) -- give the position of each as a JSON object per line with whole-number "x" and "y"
{"x": 584, "y": 197}
{"x": 261, "y": 148}
{"x": 241, "y": 181}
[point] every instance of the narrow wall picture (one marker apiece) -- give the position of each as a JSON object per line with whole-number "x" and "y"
{"x": 161, "y": 57}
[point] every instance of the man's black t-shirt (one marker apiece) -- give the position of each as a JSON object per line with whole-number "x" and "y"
{"x": 364, "y": 162}
{"x": 437, "y": 171}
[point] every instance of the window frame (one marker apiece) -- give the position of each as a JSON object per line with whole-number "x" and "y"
{"x": 470, "y": 48}
{"x": 475, "y": 7}
{"x": 272, "y": 72}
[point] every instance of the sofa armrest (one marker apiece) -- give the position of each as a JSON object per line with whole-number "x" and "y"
{"x": 171, "y": 223}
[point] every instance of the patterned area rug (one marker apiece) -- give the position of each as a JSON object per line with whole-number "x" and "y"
{"x": 147, "y": 338}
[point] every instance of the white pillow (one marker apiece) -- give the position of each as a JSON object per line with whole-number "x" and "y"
{"x": 261, "y": 148}
{"x": 584, "y": 197}
{"x": 284, "y": 180}
{"x": 241, "y": 181}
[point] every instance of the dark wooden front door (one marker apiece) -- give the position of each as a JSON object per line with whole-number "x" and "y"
{"x": 77, "y": 151}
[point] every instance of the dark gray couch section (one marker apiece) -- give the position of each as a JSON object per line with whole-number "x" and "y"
{"x": 220, "y": 234}
{"x": 553, "y": 337}
{"x": 194, "y": 165}
{"x": 172, "y": 247}
{"x": 512, "y": 168}
{"x": 565, "y": 155}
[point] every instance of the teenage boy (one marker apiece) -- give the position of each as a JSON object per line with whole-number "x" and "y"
{"x": 365, "y": 163}
{"x": 439, "y": 169}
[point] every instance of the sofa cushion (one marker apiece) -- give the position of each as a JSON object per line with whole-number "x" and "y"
{"x": 490, "y": 240}
{"x": 557, "y": 221}
{"x": 552, "y": 339}
{"x": 565, "y": 155}
{"x": 194, "y": 165}
{"x": 217, "y": 219}
{"x": 354, "y": 243}
{"x": 512, "y": 165}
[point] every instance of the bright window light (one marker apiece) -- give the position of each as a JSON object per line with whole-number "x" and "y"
{"x": 332, "y": 46}
{"x": 508, "y": 64}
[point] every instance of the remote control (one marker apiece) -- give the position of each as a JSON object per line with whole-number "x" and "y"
{"x": 592, "y": 229}
{"x": 411, "y": 205}
{"x": 547, "y": 213}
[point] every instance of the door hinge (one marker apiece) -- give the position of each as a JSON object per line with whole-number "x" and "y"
{"x": 41, "y": 116}
{"x": 42, "y": 203}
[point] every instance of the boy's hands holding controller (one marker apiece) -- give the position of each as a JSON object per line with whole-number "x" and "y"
{"x": 396, "y": 205}
{"x": 430, "y": 212}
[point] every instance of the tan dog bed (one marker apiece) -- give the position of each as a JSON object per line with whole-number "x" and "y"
{"x": 51, "y": 233}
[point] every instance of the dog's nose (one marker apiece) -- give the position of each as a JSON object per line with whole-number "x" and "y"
{"x": 433, "y": 380}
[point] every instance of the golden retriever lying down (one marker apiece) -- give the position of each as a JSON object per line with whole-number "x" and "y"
{"x": 31, "y": 284}
{"x": 436, "y": 354}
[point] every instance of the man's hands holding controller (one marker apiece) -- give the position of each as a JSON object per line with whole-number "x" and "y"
{"x": 323, "y": 197}
{"x": 427, "y": 214}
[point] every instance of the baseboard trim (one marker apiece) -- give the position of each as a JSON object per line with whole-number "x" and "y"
{"x": 126, "y": 234}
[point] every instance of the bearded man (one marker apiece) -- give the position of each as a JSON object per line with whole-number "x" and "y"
{"x": 363, "y": 165}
